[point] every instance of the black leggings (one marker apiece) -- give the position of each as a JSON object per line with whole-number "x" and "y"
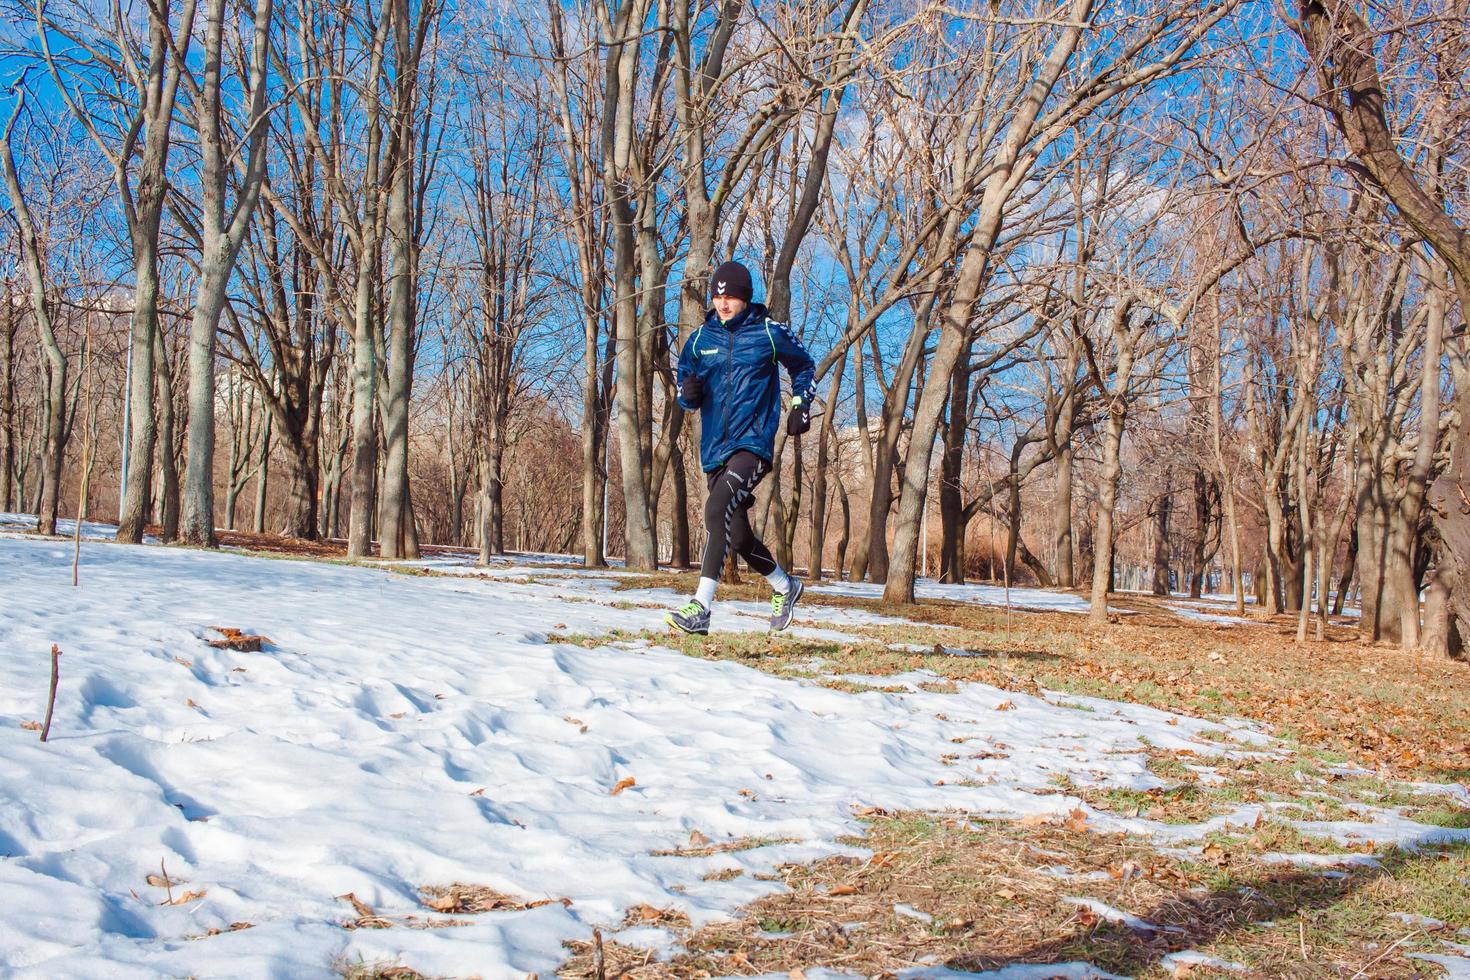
{"x": 727, "y": 516}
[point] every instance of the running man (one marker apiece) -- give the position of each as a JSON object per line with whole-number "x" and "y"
{"x": 729, "y": 372}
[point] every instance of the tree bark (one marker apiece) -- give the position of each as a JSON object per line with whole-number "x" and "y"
{"x": 1162, "y": 550}
{"x": 262, "y": 477}
{"x": 169, "y": 499}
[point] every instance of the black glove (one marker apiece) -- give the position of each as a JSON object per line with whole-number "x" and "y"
{"x": 799, "y": 419}
{"x": 692, "y": 390}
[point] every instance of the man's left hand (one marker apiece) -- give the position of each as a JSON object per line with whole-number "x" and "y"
{"x": 799, "y": 419}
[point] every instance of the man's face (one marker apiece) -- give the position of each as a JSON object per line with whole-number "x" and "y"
{"x": 728, "y": 307}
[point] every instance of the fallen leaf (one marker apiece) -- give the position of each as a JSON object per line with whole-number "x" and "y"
{"x": 474, "y": 899}
{"x": 181, "y": 660}
{"x": 640, "y": 914}
{"x": 696, "y": 839}
{"x": 1077, "y": 821}
{"x": 625, "y": 783}
{"x": 363, "y": 909}
{"x": 188, "y": 897}
{"x": 1006, "y": 705}
{"x": 1036, "y": 820}
{"x": 233, "y": 639}
{"x": 796, "y": 973}
{"x": 843, "y": 890}
{"x": 31, "y": 726}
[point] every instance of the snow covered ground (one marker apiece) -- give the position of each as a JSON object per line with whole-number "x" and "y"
{"x": 399, "y": 732}
{"x": 64, "y": 526}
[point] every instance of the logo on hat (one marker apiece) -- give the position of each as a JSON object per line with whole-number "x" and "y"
{"x": 719, "y": 288}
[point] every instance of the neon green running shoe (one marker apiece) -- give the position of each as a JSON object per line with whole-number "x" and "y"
{"x": 691, "y": 618}
{"x": 783, "y": 604}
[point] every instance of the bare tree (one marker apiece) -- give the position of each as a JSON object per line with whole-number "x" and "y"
{"x": 42, "y": 297}
{"x": 222, "y": 228}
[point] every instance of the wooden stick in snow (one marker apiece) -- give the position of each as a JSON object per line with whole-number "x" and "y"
{"x": 51, "y": 699}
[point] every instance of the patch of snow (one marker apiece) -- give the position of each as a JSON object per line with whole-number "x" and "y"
{"x": 1014, "y": 971}
{"x": 909, "y": 912}
{"x": 1107, "y": 913}
{"x": 1321, "y": 860}
{"x": 1388, "y": 828}
{"x": 1188, "y": 959}
{"x": 662, "y": 942}
{"x": 403, "y": 731}
{"x": 1456, "y": 791}
{"x": 1455, "y": 967}
{"x": 1189, "y": 612}
{"x": 1062, "y": 871}
{"x": 65, "y": 528}
{"x": 1418, "y": 921}
{"x": 1242, "y": 818}
{"x": 1207, "y": 775}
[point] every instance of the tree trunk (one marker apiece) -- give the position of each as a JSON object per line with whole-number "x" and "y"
{"x": 1345, "y": 583}
{"x": 168, "y": 460}
{"x": 7, "y": 404}
{"x": 1162, "y": 544}
{"x": 1062, "y": 511}
{"x": 1203, "y": 515}
{"x": 952, "y": 522}
{"x": 818, "y": 546}
{"x": 680, "y": 543}
{"x": 594, "y": 436}
{"x": 262, "y": 477}
{"x": 393, "y": 524}
{"x": 303, "y": 474}
{"x": 1442, "y": 637}
{"x": 1107, "y": 494}
{"x": 364, "y": 410}
{"x": 895, "y": 405}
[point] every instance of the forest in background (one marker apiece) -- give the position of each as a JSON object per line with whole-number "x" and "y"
{"x": 1131, "y": 294}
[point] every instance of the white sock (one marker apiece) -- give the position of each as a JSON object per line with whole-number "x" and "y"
{"x": 705, "y": 594}
{"x": 779, "y": 580}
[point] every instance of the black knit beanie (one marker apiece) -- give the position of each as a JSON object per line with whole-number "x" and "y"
{"x": 732, "y": 279}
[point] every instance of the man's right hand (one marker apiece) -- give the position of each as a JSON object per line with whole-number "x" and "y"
{"x": 692, "y": 390}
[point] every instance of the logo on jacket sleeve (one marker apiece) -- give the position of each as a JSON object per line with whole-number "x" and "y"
{"x": 710, "y": 350}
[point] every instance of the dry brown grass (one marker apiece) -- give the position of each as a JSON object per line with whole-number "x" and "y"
{"x": 940, "y": 889}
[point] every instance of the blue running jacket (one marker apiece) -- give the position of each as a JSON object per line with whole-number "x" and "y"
{"x": 739, "y": 364}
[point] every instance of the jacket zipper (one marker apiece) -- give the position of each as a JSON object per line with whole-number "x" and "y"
{"x": 729, "y": 370}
